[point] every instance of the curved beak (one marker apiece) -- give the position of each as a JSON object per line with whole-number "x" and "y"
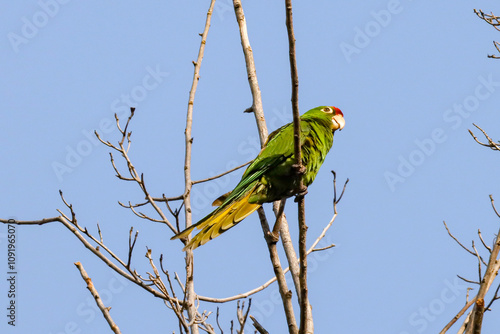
{"x": 338, "y": 122}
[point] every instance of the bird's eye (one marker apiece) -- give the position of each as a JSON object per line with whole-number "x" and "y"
{"x": 327, "y": 110}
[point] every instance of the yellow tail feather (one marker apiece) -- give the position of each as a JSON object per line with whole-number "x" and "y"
{"x": 221, "y": 222}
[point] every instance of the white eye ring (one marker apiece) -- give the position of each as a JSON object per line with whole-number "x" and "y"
{"x": 327, "y": 110}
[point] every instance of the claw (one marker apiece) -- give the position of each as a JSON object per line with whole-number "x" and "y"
{"x": 299, "y": 169}
{"x": 301, "y": 193}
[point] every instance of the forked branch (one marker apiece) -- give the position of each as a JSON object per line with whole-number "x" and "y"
{"x": 494, "y": 21}
{"x": 473, "y": 322}
{"x": 134, "y": 175}
{"x": 491, "y": 143}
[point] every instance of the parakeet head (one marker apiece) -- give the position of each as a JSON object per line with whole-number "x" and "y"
{"x": 332, "y": 113}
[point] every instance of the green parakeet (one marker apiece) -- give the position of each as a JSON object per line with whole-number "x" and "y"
{"x": 271, "y": 176}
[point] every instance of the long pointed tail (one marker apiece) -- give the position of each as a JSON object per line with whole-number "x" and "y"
{"x": 219, "y": 221}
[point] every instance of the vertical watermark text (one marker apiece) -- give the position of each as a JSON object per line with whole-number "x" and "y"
{"x": 11, "y": 273}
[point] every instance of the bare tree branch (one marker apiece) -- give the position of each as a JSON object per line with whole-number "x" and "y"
{"x": 458, "y": 316}
{"x": 134, "y": 175}
{"x": 495, "y": 298}
{"x": 482, "y": 241}
{"x": 291, "y": 255}
{"x": 468, "y": 280}
{"x": 190, "y": 294}
{"x": 306, "y": 322}
{"x": 475, "y": 321}
{"x": 222, "y": 174}
{"x": 97, "y": 298}
{"x": 258, "y": 326}
{"x": 131, "y": 245}
{"x": 217, "y": 321}
{"x": 256, "y": 107}
{"x": 75, "y": 229}
{"x": 242, "y": 316}
{"x": 491, "y": 143}
{"x": 323, "y": 248}
{"x": 491, "y": 19}
{"x": 174, "y": 305}
{"x": 494, "y": 21}
{"x": 497, "y": 46}
{"x": 286, "y": 294}
{"x": 335, "y": 199}
{"x": 458, "y": 242}
{"x": 262, "y": 128}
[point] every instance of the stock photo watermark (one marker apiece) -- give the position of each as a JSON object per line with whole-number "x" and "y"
{"x": 363, "y": 36}
{"x": 425, "y": 315}
{"x": 453, "y": 117}
{"x": 31, "y": 25}
{"x": 11, "y": 273}
{"x": 121, "y": 107}
{"x": 221, "y": 7}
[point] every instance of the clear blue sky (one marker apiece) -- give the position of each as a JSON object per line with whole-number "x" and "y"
{"x": 410, "y": 76}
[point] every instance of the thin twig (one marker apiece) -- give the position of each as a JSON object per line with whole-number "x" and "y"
{"x": 258, "y": 326}
{"x": 458, "y": 242}
{"x": 489, "y": 18}
{"x": 131, "y": 245}
{"x": 468, "y": 280}
{"x": 97, "y": 298}
{"x": 221, "y": 174}
{"x": 31, "y": 222}
{"x": 217, "y": 321}
{"x": 242, "y": 317}
{"x": 479, "y": 260}
{"x": 493, "y": 206}
{"x": 323, "y": 248}
{"x": 495, "y": 297}
{"x": 497, "y": 46}
{"x": 482, "y": 241}
{"x": 335, "y": 199}
{"x": 173, "y": 304}
{"x": 491, "y": 143}
{"x": 458, "y": 316}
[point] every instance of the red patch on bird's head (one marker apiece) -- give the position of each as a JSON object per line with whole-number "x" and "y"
{"x": 337, "y": 111}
